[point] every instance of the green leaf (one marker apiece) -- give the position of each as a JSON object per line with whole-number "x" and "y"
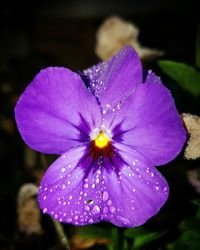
{"x": 115, "y": 239}
{"x": 198, "y": 48}
{"x": 197, "y": 203}
{"x": 191, "y": 235}
{"x": 94, "y": 232}
{"x": 125, "y": 245}
{"x": 186, "y": 76}
{"x": 141, "y": 236}
{"x": 147, "y": 238}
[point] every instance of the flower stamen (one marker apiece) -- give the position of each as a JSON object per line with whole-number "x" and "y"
{"x": 101, "y": 140}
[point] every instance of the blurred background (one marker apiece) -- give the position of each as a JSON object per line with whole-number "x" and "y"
{"x": 35, "y": 34}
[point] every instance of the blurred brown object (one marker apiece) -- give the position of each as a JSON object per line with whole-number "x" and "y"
{"x": 194, "y": 180}
{"x": 77, "y": 242}
{"x": 7, "y": 125}
{"x": 28, "y": 211}
{"x": 114, "y": 33}
{"x": 192, "y": 124}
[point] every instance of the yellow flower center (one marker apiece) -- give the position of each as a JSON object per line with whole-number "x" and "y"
{"x": 101, "y": 140}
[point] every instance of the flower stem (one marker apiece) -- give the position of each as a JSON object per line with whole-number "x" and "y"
{"x": 61, "y": 235}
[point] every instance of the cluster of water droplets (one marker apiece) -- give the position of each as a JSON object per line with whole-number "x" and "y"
{"x": 96, "y": 77}
{"x": 85, "y": 200}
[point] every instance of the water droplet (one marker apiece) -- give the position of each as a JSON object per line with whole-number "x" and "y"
{"x": 157, "y": 187}
{"x": 76, "y": 217}
{"x": 112, "y": 210}
{"x": 152, "y": 174}
{"x": 90, "y": 202}
{"x": 165, "y": 189}
{"x": 105, "y": 210}
{"x": 63, "y": 186}
{"x": 63, "y": 170}
{"x": 105, "y": 196}
{"x": 96, "y": 209}
{"x": 123, "y": 220}
{"x": 45, "y": 210}
{"x": 70, "y": 197}
{"x": 69, "y": 182}
{"x": 98, "y": 171}
{"x": 86, "y": 185}
{"x": 44, "y": 198}
{"x": 87, "y": 208}
{"x": 91, "y": 221}
{"x": 93, "y": 185}
{"x": 109, "y": 203}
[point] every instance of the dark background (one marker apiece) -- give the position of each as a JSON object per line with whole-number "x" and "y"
{"x": 35, "y": 34}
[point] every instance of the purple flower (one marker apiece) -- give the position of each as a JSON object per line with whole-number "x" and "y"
{"x": 111, "y": 127}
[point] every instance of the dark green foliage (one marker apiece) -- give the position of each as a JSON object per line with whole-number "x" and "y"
{"x": 186, "y": 76}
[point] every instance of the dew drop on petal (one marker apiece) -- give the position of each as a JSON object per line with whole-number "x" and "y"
{"x": 86, "y": 185}
{"x": 63, "y": 170}
{"x": 91, "y": 221}
{"x": 109, "y": 203}
{"x": 112, "y": 210}
{"x": 165, "y": 189}
{"x": 123, "y": 220}
{"x": 105, "y": 210}
{"x": 96, "y": 209}
{"x": 87, "y": 208}
{"x": 105, "y": 196}
{"x": 152, "y": 174}
{"x": 44, "y": 210}
{"x": 90, "y": 202}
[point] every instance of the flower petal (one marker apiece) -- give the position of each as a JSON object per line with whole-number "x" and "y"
{"x": 77, "y": 190}
{"x": 136, "y": 191}
{"x": 149, "y": 122}
{"x": 112, "y": 80}
{"x": 56, "y": 111}
{"x": 71, "y": 189}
